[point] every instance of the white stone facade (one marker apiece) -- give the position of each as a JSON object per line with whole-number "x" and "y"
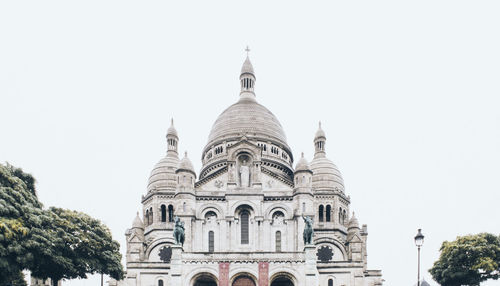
{"x": 243, "y": 214}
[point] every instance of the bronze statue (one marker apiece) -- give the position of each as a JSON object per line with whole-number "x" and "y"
{"x": 308, "y": 230}
{"x": 179, "y": 231}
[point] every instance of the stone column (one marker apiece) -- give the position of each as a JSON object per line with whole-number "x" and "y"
{"x": 263, "y": 273}
{"x": 223, "y": 274}
{"x": 176, "y": 265}
{"x": 311, "y": 271}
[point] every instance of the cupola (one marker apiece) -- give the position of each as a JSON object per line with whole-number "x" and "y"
{"x": 326, "y": 176}
{"x": 172, "y": 138}
{"x": 163, "y": 174}
{"x": 247, "y": 78}
{"x": 303, "y": 173}
{"x": 185, "y": 173}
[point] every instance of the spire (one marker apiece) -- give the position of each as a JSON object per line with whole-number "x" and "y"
{"x": 247, "y": 78}
{"x": 172, "y": 138}
{"x": 319, "y": 142}
{"x": 137, "y": 223}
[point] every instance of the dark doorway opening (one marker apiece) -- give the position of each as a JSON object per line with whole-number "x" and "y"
{"x": 282, "y": 281}
{"x": 205, "y": 280}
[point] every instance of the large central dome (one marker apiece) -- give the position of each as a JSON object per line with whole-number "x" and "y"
{"x": 249, "y": 118}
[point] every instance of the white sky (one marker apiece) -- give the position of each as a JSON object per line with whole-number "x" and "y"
{"x": 408, "y": 93}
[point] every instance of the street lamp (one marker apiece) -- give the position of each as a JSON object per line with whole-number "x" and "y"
{"x": 419, "y": 241}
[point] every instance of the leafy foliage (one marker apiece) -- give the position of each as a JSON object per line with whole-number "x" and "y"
{"x": 468, "y": 260}
{"x": 54, "y": 243}
{"x": 16, "y": 280}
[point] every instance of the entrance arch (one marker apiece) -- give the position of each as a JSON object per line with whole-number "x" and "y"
{"x": 243, "y": 281}
{"x": 205, "y": 279}
{"x": 282, "y": 280}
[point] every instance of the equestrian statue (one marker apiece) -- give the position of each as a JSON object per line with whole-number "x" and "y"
{"x": 308, "y": 230}
{"x": 179, "y": 231}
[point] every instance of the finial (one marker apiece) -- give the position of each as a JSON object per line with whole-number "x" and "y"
{"x": 320, "y": 124}
{"x": 247, "y": 50}
{"x": 302, "y": 154}
{"x": 185, "y": 153}
{"x": 172, "y": 121}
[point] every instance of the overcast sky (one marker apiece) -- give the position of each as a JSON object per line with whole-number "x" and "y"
{"x": 407, "y": 91}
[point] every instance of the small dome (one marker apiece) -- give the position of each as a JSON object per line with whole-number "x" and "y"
{"x": 326, "y": 175}
{"x": 171, "y": 130}
{"x": 186, "y": 165}
{"x": 302, "y": 164}
{"x": 320, "y": 133}
{"x": 247, "y": 67}
{"x": 163, "y": 174}
{"x": 353, "y": 223}
{"x": 137, "y": 222}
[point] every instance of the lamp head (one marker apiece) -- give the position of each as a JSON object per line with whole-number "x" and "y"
{"x": 419, "y": 238}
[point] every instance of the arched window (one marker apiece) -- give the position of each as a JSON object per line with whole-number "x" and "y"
{"x": 170, "y": 213}
{"x": 278, "y": 241}
{"x": 340, "y": 215}
{"x": 303, "y": 207}
{"x": 160, "y": 282}
{"x": 328, "y": 213}
{"x": 163, "y": 213}
{"x": 244, "y": 227}
{"x": 330, "y": 282}
{"x": 211, "y": 241}
{"x": 320, "y": 213}
{"x": 147, "y": 217}
{"x": 151, "y": 215}
{"x": 344, "y": 217}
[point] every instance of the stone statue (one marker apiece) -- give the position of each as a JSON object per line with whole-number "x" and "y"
{"x": 244, "y": 174}
{"x": 179, "y": 231}
{"x": 308, "y": 230}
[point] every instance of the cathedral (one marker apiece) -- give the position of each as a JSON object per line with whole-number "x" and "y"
{"x": 249, "y": 217}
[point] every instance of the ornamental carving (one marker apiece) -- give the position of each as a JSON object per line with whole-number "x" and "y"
{"x": 325, "y": 254}
{"x": 165, "y": 254}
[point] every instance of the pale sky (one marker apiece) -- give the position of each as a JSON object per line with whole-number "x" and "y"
{"x": 408, "y": 93}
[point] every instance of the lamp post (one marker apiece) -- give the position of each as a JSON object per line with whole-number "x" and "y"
{"x": 419, "y": 241}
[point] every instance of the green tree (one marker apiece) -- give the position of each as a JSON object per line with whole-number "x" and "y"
{"x": 80, "y": 245}
{"x": 54, "y": 243}
{"x": 19, "y": 212}
{"x": 16, "y": 280}
{"x": 468, "y": 260}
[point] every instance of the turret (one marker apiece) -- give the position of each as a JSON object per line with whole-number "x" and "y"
{"x": 172, "y": 138}
{"x": 247, "y": 78}
{"x": 135, "y": 240}
{"x": 354, "y": 240}
{"x": 185, "y": 174}
{"x": 303, "y": 174}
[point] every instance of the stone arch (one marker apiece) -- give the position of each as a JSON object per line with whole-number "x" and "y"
{"x": 201, "y": 273}
{"x": 202, "y": 210}
{"x": 333, "y": 242}
{"x": 289, "y": 272}
{"x": 283, "y": 279}
{"x": 243, "y": 276}
{"x": 167, "y": 241}
{"x": 287, "y": 211}
{"x": 241, "y": 150}
{"x": 239, "y": 204}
